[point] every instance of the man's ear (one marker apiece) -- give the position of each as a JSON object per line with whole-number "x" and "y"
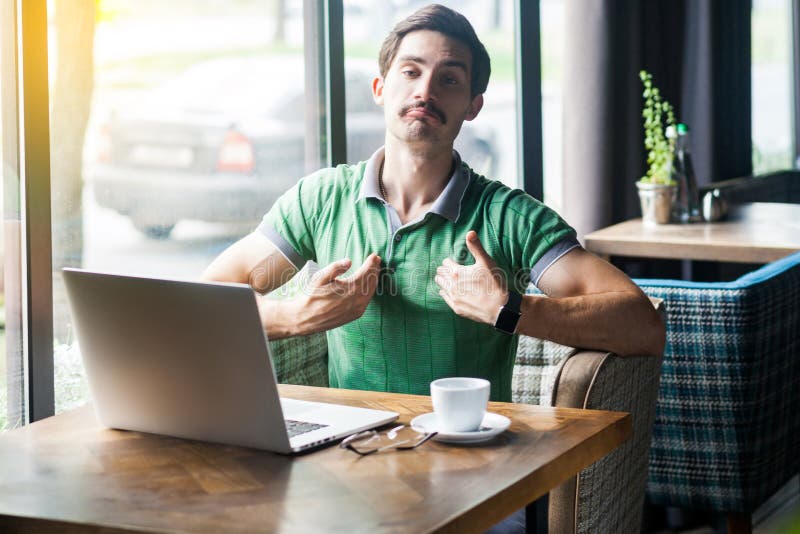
{"x": 377, "y": 90}
{"x": 474, "y": 107}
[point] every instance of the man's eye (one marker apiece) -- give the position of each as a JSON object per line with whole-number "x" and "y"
{"x": 449, "y": 80}
{"x": 408, "y": 73}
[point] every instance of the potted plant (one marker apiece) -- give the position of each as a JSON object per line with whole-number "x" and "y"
{"x": 657, "y": 189}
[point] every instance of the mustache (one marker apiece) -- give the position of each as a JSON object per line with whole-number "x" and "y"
{"x": 428, "y": 106}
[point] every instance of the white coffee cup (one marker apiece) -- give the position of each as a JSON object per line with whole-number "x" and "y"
{"x": 459, "y": 403}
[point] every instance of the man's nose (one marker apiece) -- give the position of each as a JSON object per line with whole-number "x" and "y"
{"x": 425, "y": 89}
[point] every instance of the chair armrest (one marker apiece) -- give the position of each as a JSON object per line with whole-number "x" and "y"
{"x": 608, "y": 495}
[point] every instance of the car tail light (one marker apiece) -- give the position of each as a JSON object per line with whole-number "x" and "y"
{"x": 236, "y": 153}
{"x": 103, "y": 147}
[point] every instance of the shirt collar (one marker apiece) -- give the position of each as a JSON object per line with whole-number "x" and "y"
{"x": 448, "y": 204}
{"x": 369, "y": 184}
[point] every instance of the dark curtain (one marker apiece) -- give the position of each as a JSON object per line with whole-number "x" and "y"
{"x": 699, "y": 54}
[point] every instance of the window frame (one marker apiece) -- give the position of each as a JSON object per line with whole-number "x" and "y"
{"x": 530, "y": 150}
{"x": 37, "y": 261}
{"x": 323, "y": 28}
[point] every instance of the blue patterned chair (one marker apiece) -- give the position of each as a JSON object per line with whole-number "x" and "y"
{"x": 727, "y": 428}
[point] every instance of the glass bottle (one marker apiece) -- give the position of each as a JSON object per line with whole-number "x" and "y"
{"x": 687, "y": 202}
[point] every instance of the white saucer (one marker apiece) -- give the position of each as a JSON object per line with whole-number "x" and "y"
{"x": 492, "y": 425}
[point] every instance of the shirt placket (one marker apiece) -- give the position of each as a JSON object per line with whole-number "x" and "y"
{"x": 396, "y": 231}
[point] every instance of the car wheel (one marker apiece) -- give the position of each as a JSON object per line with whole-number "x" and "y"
{"x": 159, "y": 232}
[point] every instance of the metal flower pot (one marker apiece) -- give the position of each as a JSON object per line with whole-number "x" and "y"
{"x": 656, "y": 200}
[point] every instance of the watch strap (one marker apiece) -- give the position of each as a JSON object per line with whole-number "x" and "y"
{"x": 510, "y": 313}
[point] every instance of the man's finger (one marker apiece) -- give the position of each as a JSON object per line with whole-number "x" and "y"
{"x": 368, "y": 270}
{"x": 449, "y": 301}
{"x": 476, "y": 248}
{"x": 373, "y": 262}
{"x": 330, "y": 272}
{"x": 445, "y": 283}
{"x": 449, "y": 264}
{"x": 365, "y": 280}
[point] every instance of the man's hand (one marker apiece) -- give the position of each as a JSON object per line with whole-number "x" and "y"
{"x": 331, "y": 301}
{"x": 475, "y": 291}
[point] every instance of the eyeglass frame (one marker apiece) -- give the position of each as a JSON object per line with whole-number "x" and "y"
{"x": 347, "y": 443}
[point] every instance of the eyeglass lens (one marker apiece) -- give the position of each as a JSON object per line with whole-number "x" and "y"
{"x": 399, "y": 437}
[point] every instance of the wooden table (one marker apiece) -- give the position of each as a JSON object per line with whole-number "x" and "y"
{"x": 753, "y": 233}
{"x": 66, "y": 473}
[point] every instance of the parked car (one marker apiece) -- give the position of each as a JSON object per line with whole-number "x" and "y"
{"x": 221, "y": 141}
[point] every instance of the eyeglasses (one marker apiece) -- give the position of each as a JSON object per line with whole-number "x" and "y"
{"x": 400, "y": 437}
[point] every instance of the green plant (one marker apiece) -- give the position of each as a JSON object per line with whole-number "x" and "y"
{"x": 658, "y": 115}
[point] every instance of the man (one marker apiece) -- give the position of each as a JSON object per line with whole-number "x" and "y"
{"x": 443, "y": 253}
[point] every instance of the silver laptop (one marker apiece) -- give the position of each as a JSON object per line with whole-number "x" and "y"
{"x": 191, "y": 359}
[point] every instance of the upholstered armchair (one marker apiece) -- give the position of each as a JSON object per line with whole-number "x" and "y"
{"x": 607, "y": 496}
{"x": 727, "y": 428}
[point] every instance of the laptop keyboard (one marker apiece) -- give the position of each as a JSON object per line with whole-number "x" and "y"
{"x": 295, "y": 428}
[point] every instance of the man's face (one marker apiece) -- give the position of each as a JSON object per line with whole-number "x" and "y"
{"x": 426, "y": 90}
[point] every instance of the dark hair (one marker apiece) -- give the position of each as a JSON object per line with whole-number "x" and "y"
{"x": 440, "y": 19}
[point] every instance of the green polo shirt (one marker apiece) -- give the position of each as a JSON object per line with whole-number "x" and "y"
{"x": 408, "y": 335}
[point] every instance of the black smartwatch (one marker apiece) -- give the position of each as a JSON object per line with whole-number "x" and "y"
{"x": 509, "y": 314}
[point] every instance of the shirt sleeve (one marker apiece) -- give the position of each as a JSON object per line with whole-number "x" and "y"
{"x": 288, "y": 223}
{"x": 283, "y": 246}
{"x": 552, "y": 255}
{"x": 531, "y": 235}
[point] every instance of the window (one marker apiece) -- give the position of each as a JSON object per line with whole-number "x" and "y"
{"x": 174, "y": 126}
{"x": 773, "y": 137}
{"x": 12, "y": 377}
